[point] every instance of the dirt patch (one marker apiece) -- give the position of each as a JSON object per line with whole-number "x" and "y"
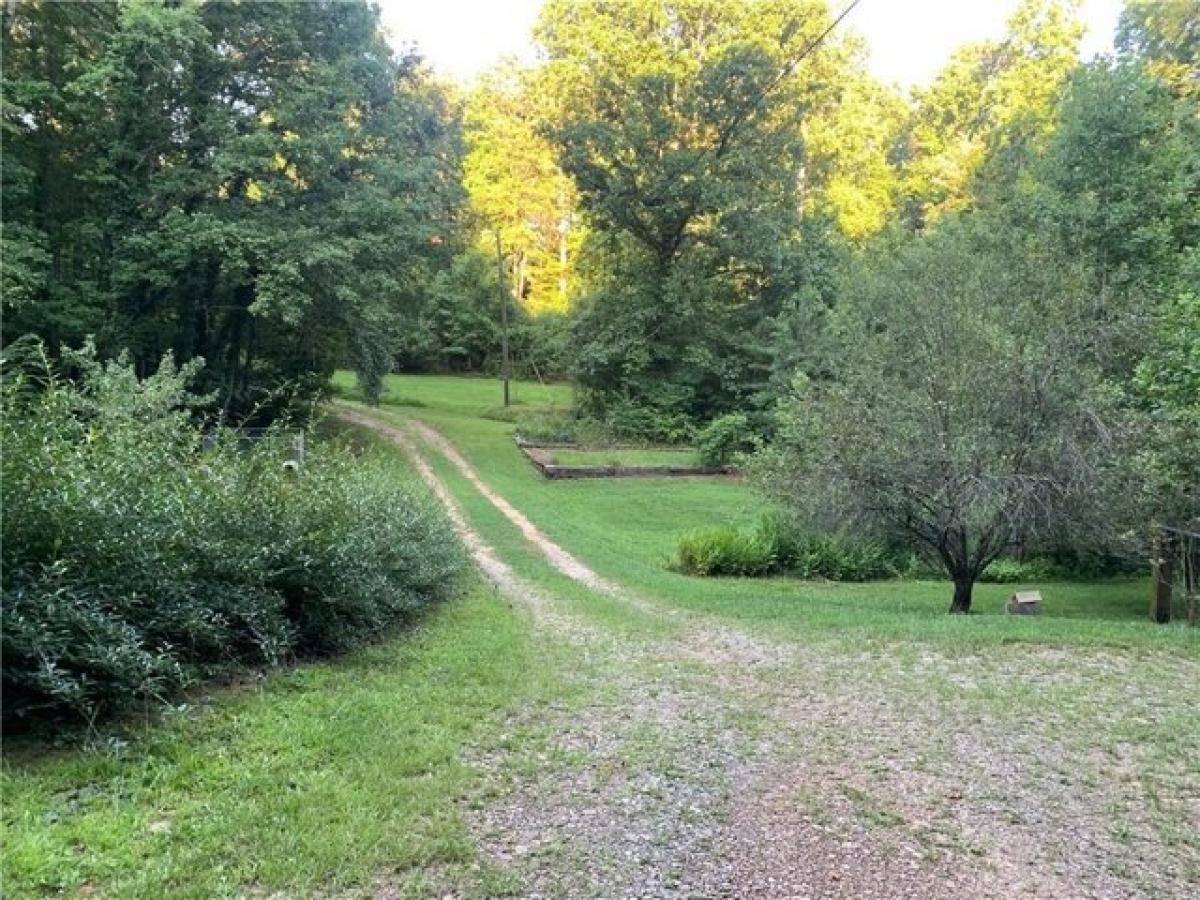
{"x": 557, "y": 556}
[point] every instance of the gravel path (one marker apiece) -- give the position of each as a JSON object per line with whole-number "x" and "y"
{"x": 712, "y": 763}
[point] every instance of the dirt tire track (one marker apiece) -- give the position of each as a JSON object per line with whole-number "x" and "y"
{"x": 557, "y": 556}
{"x": 495, "y": 569}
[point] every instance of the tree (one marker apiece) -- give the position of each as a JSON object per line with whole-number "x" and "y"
{"x": 457, "y": 326}
{"x": 515, "y": 185}
{"x": 991, "y": 108}
{"x": 850, "y": 142}
{"x": 1166, "y": 35}
{"x": 680, "y": 124}
{"x": 1166, "y": 386}
{"x": 954, "y": 402}
{"x": 265, "y": 186}
{"x": 1117, "y": 189}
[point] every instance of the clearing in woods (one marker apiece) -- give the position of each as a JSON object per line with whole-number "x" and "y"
{"x": 586, "y": 723}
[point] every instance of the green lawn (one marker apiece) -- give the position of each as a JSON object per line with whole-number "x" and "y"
{"x": 627, "y": 529}
{"x": 361, "y": 771}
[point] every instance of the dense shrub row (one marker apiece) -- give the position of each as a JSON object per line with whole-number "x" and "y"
{"x": 136, "y": 559}
{"x": 779, "y": 545}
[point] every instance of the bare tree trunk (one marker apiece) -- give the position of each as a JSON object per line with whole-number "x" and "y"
{"x": 962, "y": 595}
{"x": 505, "y": 362}
{"x": 1163, "y": 568}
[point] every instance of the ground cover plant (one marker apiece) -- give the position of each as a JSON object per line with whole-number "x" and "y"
{"x": 145, "y": 549}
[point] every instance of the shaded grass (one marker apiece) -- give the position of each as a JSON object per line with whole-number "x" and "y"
{"x": 468, "y": 396}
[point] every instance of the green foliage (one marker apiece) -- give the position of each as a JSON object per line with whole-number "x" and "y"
{"x": 957, "y": 404}
{"x": 457, "y": 327}
{"x": 725, "y": 438}
{"x": 517, "y": 189}
{"x": 1166, "y": 384}
{"x": 679, "y": 122}
{"x": 989, "y": 107}
{"x": 136, "y": 559}
{"x": 1164, "y": 34}
{"x": 1013, "y": 571}
{"x": 779, "y": 545}
{"x": 798, "y": 550}
{"x": 263, "y": 185}
{"x": 722, "y": 551}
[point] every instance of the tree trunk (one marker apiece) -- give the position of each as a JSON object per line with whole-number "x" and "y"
{"x": 1163, "y": 569}
{"x": 962, "y": 595}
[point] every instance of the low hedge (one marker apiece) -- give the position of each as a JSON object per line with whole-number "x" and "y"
{"x": 143, "y": 551}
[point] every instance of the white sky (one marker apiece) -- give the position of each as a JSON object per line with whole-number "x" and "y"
{"x": 909, "y": 40}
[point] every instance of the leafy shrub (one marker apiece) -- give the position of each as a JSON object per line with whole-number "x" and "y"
{"x": 840, "y": 559}
{"x": 724, "y": 438}
{"x": 780, "y": 545}
{"x": 722, "y": 551}
{"x": 1013, "y": 571}
{"x": 782, "y": 537}
{"x": 137, "y": 559}
{"x": 837, "y": 557}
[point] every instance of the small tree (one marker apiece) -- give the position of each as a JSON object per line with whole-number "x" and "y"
{"x": 954, "y": 401}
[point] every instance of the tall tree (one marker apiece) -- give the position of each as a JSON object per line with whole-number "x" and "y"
{"x": 515, "y": 186}
{"x": 1165, "y": 34}
{"x": 679, "y": 121}
{"x": 991, "y": 106}
{"x": 243, "y": 176}
{"x": 850, "y": 143}
{"x": 954, "y": 401}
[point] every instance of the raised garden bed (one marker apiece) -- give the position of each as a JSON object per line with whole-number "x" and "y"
{"x": 614, "y": 461}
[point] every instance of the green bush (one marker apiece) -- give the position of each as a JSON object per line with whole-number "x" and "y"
{"x": 136, "y": 559}
{"x": 724, "y": 439}
{"x": 629, "y": 421}
{"x": 781, "y": 545}
{"x": 722, "y": 551}
{"x": 837, "y": 557}
{"x": 1012, "y": 571}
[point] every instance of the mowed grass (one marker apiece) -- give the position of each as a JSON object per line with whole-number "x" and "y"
{"x": 323, "y": 777}
{"x": 628, "y": 529}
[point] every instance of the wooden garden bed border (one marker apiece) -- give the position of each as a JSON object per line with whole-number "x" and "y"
{"x": 534, "y": 451}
